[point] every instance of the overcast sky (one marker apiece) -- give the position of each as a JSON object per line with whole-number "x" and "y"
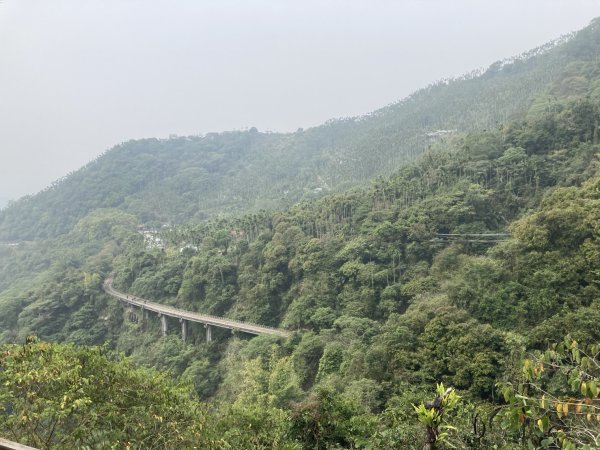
{"x": 79, "y": 76}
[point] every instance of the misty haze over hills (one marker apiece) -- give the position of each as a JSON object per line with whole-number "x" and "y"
{"x": 80, "y": 77}
{"x": 193, "y": 178}
{"x": 425, "y": 276}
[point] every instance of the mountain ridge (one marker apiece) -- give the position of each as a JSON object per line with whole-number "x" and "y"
{"x": 386, "y": 305}
{"x": 193, "y": 178}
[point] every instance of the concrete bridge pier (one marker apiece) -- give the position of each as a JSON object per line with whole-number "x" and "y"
{"x": 132, "y": 315}
{"x": 208, "y": 332}
{"x": 183, "y": 329}
{"x": 145, "y": 317}
{"x": 145, "y": 314}
{"x": 163, "y": 324}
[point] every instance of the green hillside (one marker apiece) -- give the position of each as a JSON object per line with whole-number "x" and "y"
{"x": 191, "y": 178}
{"x": 386, "y": 303}
{"x": 392, "y": 288}
{"x": 477, "y": 265}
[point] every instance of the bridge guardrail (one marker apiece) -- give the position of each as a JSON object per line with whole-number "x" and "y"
{"x": 223, "y": 322}
{"x": 10, "y": 445}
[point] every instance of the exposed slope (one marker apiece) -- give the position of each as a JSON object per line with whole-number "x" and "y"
{"x": 179, "y": 179}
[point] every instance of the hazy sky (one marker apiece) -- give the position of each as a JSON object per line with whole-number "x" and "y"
{"x": 79, "y": 76}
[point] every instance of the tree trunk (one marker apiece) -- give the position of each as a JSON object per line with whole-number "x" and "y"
{"x": 430, "y": 438}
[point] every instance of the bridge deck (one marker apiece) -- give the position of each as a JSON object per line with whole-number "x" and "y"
{"x": 207, "y": 319}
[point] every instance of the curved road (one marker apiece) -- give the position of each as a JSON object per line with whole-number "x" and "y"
{"x": 206, "y": 319}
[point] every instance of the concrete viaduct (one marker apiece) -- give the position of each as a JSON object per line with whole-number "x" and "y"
{"x": 190, "y": 316}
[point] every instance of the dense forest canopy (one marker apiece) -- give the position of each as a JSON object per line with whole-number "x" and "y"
{"x": 452, "y": 302}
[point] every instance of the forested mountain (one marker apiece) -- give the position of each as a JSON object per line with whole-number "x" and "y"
{"x": 463, "y": 267}
{"x": 191, "y": 178}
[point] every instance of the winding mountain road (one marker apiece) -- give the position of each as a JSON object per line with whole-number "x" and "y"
{"x": 191, "y": 316}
